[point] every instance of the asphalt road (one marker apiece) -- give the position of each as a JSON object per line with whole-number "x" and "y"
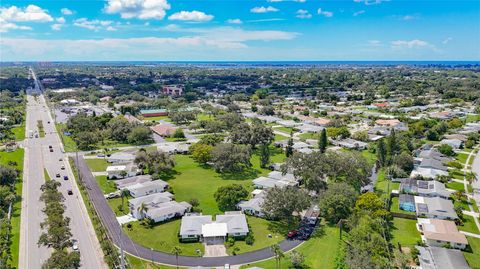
{"x": 38, "y": 157}
{"x": 121, "y": 240}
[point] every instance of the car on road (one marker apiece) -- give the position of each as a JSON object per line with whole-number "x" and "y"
{"x": 57, "y": 175}
{"x": 51, "y": 150}
{"x": 75, "y": 244}
{"x": 112, "y": 195}
{"x": 69, "y": 192}
{"x": 62, "y": 167}
{"x": 50, "y": 146}
{"x": 65, "y": 177}
{"x": 60, "y": 160}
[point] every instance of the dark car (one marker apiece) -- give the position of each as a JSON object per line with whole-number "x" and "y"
{"x": 70, "y": 192}
{"x": 65, "y": 177}
{"x": 57, "y": 175}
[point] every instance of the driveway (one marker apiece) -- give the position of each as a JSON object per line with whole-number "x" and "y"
{"x": 121, "y": 240}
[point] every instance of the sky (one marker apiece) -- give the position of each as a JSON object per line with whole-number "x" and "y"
{"x": 239, "y": 30}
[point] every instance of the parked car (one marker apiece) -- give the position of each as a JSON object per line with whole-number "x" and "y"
{"x": 60, "y": 160}
{"x": 65, "y": 177}
{"x": 57, "y": 175}
{"x": 51, "y": 150}
{"x": 70, "y": 192}
{"x": 292, "y": 234}
{"x": 63, "y": 167}
{"x": 75, "y": 244}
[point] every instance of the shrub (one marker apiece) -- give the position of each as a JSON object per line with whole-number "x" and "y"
{"x": 249, "y": 240}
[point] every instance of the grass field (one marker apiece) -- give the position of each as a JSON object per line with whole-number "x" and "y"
{"x": 286, "y": 130}
{"x": 404, "y": 232}
{"x": 163, "y": 237}
{"x": 19, "y": 132}
{"x": 115, "y": 204}
{"x": 306, "y": 136}
{"x": 319, "y": 251}
{"x": 279, "y": 137}
{"x": 455, "y": 186}
{"x": 17, "y": 157}
{"x": 473, "y": 258}
{"x": 371, "y": 157}
{"x": 261, "y": 228}
{"x": 136, "y": 263}
{"x": 97, "y": 165}
{"x": 68, "y": 143}
{"x": 462, "y": 158}
{"x": 195, "y": 181}
{"x": 469, "y": 225}
{"x": 106, "y": 185}
{"x": 157, "y": 119}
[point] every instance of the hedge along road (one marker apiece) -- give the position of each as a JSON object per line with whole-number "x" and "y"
{"x": 121, "y": 240}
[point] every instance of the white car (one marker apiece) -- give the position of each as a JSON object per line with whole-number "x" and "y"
{"x": 74, "y": 244}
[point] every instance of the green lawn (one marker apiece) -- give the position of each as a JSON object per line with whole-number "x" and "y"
{"x": 162, "y": 237}
{"x": 68, "y": 144}
{"x": 286, "y": 130}
{"x": 17, "y": 157}
{"x": 195, "y": 181}
{"x": 156, "y": 119}
{"x": 371, "y": 157}
{"x": 306, "y": 136}
{"x": 319, "y": 251}
{"x": 405, "y": 232}
{"x": 473, "y": 258}
{"x": 137, "y": 263}
{"x": 115, "y": 203}
{"x": 455, "y": 186}
{"x": 19, "y": 132}
{"x": 261, "y": 228}
{"x": 469, "y": 225}
{"x": 462, "y": 158}
{"x": 97, "y": 165}
{"x": 106, "y": 185}
{"x": 455, "y": 173}
{"x": 383, "y": 186}
{"x": 279, "y": 137}
{"x": 472, "y": 118}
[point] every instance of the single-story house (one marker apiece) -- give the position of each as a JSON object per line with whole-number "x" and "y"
{"x": 168, "y": 210}
{"x": 232, "y": 223}
{"x": 441, "y": 258}
{"x": 435, "y": 208}
{"x": 454, "y": 143}
{"x": 267, "y": 182}
{"x": 148, "y": 201}
{"x": 406, "y": 202}
{"x": 283, "y": 177}
{"x": 163, "y": 129}
{"x": 253, "y": 206}
{"x": 121, "y": 157}
{"x": 437, "y": 233}
{"x": 124, "y": 183}
{"x": 122, "y": 171}
{"x": 147, "y": 188}
{"x": 428, "y": 188}
{"x": 289, "y": 123}
{"x": 350, "y": 144}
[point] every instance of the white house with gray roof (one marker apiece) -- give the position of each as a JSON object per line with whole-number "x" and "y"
{"x": 435, "y": 208}
{"x": 441, "y": 258}
{"x": 147, "y": 188}
{"x": 148, "y": 202}
{"x": 232, "y": 223}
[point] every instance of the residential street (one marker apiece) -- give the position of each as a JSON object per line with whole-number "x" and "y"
{"x": 37, "y": 158}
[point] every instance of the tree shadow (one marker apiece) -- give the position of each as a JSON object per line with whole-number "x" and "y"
{"x": 282, "y": 227}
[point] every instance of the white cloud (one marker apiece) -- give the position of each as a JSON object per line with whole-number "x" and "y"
{"x": 267, "y": 20}
{"x": 447, "y": 40}
{"x": 56, "y": 26}
{"x": 31, "y": 13}
{"x": 190, "y": 16}
{"x": 60, "y": 20}
{"x": 95, "y": 25}
{"x": 234, "y": 21}
{"x": 360, "y": 12}
{"x": 327, "y": 14}
{"x": 111, "y": 28}
{"x": 263, "y": 9}
{"x": 303, "y": 14}
{"x": 200, "y": 42}
{"x": 66, "y": 11}
{"x": 411, "y": 44}
{"x": 277, "y": 1}
{"x": 6, "y": 26}
{"x": 141, "y": 9}
{"x": 375, "y": 43}
{"x": 371, "y": 2}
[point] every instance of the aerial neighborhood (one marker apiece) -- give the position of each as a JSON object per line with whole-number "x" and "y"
{"x": 246, "y": 167}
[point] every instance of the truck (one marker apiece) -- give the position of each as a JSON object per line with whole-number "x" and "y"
{"x": 30, "y": 133}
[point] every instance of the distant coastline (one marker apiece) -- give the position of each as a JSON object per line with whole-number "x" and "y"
{"x": 234, "y": 64}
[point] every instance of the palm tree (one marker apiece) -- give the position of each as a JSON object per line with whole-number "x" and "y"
{"x": 176, "y": 251}
{"x": 142, "y": 208}
{"x": 124, "y": 193}
{"x": 277, "y": 251}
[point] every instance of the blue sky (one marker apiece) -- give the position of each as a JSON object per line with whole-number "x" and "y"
{"x": 48, "y": 30}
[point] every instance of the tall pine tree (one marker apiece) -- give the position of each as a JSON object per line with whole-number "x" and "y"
{"x": 322, "y": 142}
{"x": 381, "y": 153}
